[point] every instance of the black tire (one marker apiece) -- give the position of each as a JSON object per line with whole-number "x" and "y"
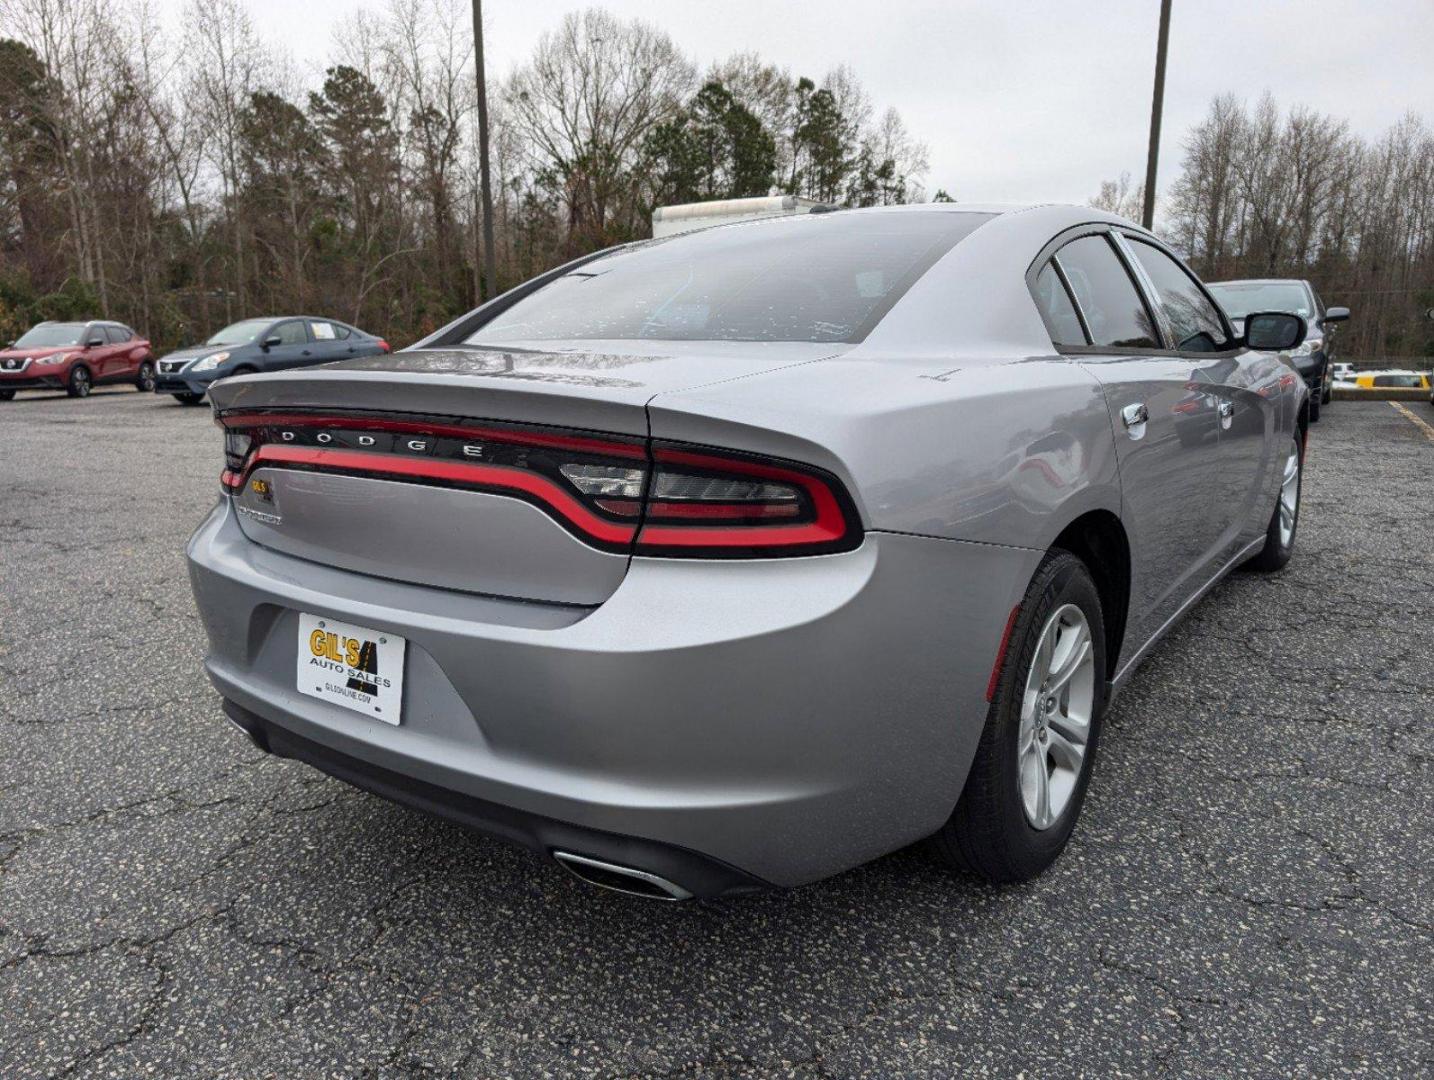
{"x": 244, "y": 369}
{"x": 989, "y": 833}
{"x": 1278, "y": 549}
{"x": 188, "y": 399}
{"x": 80, "y": 383}
{"x": 7, "y": 395}
{"x": 144, "y": 381}
{"x": 1328, "y": 392}
{"x": 1314, "y": 409}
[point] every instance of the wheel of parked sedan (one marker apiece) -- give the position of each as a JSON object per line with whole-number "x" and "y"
{"x": 1280, "y": 534}
{"x": 189, "y": 399}
{"x": 79, "y": 384}
{"x": 144, "y": 382}
{"x": 1028, "y": 780}
{"x": 1314, "y": 409}
{"x": 7, "y": 395}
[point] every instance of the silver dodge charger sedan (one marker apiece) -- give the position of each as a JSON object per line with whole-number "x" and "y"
{"x": 741, "y": 557}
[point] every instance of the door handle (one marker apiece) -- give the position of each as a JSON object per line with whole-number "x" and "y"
{"x": 1227, "y": 413}
{"x": 1135, "y": 415}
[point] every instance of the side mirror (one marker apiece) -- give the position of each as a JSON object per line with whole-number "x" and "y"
{"x": 94, "y": 343}
{"x": 1274, "y": 331}
{"x": 271, "y": 341}
{"x": 1336, "y": 314}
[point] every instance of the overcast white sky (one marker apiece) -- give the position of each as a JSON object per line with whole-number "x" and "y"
{"x": 1019, "y": 100}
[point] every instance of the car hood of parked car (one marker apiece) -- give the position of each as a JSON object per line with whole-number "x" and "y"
{"x": 192, "y": 351}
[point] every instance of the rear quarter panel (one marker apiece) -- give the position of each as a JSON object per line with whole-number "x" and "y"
{"x": 991, "y": 452}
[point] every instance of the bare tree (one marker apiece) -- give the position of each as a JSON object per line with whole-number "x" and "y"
{"x": 585, "y": 101}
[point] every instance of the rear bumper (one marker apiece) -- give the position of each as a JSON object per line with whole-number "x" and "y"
{"x": 701, "y": 876}
{"x": 778, "y": 721}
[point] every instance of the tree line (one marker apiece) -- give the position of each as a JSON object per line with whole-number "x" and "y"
{"x": 179, "y": 180}
{"x": 1269, "y": 193}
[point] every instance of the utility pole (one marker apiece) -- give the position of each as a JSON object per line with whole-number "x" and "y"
{"x": 1147, "y": 217}
{"x": 490, "y": 274}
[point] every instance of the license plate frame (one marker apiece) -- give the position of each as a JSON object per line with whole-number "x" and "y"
{"x": 355, "y": 667}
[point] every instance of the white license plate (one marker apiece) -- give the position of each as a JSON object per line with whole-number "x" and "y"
{"x": 352, "y": 666}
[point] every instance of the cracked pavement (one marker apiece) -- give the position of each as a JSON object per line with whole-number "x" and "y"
{"x": 1248, "y": 893}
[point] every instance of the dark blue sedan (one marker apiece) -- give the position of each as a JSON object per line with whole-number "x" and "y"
{"x": 268, "y": 344}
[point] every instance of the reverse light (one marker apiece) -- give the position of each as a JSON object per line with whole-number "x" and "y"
{"x": 618, "y": 494}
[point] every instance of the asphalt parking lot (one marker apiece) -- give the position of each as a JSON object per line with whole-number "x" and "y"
{"x": 1248, "y": 893}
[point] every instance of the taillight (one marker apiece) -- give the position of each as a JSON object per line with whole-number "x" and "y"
{"x": 384, "y": 346}
{"x": 715, "y": 503}
{"x": 614, "y": 493}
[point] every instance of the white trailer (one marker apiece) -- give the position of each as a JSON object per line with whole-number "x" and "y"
{"x": 670, "y": 220}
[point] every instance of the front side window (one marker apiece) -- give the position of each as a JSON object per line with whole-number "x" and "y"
{"x": 1056, "y": 308}
{"x": 291, "y": 333}
{"x": 1114, "y": 312}
{"x": 1196, "y": 324}
{"x": 817, "y": 277}
{"x": 117, "y": 334}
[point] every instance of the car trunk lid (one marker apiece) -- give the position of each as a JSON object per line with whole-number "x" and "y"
{"x": 469, "y": 469}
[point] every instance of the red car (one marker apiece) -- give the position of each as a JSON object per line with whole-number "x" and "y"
{"x": 75, "y": 356}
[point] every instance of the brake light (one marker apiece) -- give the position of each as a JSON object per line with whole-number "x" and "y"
{"x": 384, "y": 346}
{"x": 721, "y": 504}
{"x": 615, "y": 493}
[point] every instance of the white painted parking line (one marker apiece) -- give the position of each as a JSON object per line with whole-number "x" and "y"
{"x": 1428, "y": 431}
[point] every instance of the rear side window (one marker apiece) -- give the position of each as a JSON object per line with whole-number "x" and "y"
{"x": 1056, "y": 308}
{"x": 1113, "y": 310}
{"x": 324, "y": 331}
{"x": 814, "y": 277}
{"x": 1193, "y": 318}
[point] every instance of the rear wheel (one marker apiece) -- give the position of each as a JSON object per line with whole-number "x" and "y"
{"x": 188, "y": 399}
{"x": 1033, "y": 763}
{"x": 1280, "y": 533}
{"x": 144, "y": 381}
{"x": 79, "y": 384}
{"x": 1314, "y": 409}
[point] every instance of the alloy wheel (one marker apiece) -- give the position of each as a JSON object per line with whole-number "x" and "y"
{"x": 80, "y": 382}
{"x": 1289, "y": 498}
{"x": 1056, "y": 713}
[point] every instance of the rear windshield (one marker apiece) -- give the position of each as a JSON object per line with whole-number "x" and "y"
{"x": 39, "y": 337}
{"x": 818, "y": 277}
{"x": 1241, "y": 298}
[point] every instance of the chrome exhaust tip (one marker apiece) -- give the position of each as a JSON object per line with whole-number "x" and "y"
{"x": 623, "y": 879}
